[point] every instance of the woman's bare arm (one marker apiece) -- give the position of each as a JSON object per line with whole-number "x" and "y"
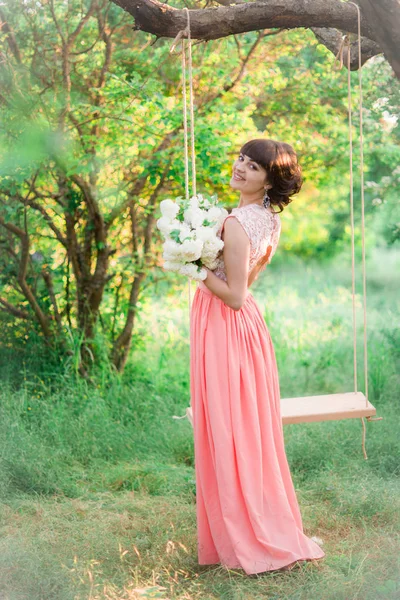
{"x": 236, "y": 253}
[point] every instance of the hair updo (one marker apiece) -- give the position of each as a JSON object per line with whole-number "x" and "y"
{"x": 283, "y": 171}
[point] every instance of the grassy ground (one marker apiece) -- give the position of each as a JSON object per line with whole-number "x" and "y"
{"x": 97, "y": 489}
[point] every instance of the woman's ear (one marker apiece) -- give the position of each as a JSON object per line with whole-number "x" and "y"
{"x": 267, "y": 185}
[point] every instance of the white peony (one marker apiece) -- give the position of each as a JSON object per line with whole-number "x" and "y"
{"x": 191, "y": 270}
{"x": 164, "y": 225}
{"x": 171, "y": 249}
{"x": 214, "y": 213}
{"x": 205, "y": 233}
{"x": 191, "y": 232}
{"x": 211, "y": 250}
{"x": 191, "y": 249}
{"x": 186, "y": 231}
{"x": 169, "y": 209}
{"x": 194, "y": 201}
{"x": 195, "y": 216}
{"x": 169, "y": 265}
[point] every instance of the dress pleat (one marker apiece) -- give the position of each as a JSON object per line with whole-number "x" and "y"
{"x": 247, "y": 512}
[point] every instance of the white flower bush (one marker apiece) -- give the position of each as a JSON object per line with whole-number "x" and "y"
{"x": 189, "y": 228}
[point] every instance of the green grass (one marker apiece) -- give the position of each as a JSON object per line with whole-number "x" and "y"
{"x": 97, "y": 484}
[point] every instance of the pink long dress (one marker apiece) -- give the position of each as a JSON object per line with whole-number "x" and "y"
{"x": 246, "y": 507}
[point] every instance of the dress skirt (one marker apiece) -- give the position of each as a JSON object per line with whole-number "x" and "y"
{"x": 246, "y": 507}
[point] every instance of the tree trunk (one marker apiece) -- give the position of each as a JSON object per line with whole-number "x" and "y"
{"x": 384, "y": 19}
{"x": 123, "y": 343}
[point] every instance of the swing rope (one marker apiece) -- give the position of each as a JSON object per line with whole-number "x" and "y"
{"x": 187, "y": 44}
{"x": 345, "y": 42}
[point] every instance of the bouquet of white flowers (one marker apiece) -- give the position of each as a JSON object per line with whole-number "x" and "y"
{"x": 190, "y": 228}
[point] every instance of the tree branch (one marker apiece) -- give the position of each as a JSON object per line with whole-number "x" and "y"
{"x": 228, "y": 86}
{"x": 332, "y": 38}
{"x": 213, "y": 23}
{"x": 13, "y": 310}
{"x": 139, "y": 183}
{"x": 55, "y": 20}
{"x": 27, "y": 291}
{"x": 380, "y": 21}
{"x": 12, "y": 42}
{"x": 93, "y": 207}
{"x": 72, "y": 37}
{"x": 35, "y": 205}
{"x": 384, "y": 18}
{"x": 50, "y": 287}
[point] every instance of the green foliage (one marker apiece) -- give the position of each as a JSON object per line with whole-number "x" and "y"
{"x": 107, "y": 122}
{"x": 97, "y": 479}
{"x": 72, "y": 425}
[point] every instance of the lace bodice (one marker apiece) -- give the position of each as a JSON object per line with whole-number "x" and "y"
{"x": 263, "y": 228}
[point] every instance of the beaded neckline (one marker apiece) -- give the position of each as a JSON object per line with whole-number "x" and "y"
{"x": 259, "y": 206}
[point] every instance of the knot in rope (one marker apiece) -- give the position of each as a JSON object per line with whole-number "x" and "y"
{"x": 182, "y": 33}
{"x": 339, "y": 56}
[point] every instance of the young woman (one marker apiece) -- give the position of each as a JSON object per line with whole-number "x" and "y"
{"x": 247, "y": 512}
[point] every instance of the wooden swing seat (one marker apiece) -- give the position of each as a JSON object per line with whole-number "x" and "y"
{"x": 329, "y": 407}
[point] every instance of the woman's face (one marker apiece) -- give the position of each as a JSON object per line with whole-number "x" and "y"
{"x": 253, "y": 176}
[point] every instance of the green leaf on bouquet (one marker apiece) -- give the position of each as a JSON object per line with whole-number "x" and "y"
{"x": 174, "y": 234}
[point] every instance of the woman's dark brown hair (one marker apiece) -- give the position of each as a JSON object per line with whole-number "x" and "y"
{"x": 283, "y": 171}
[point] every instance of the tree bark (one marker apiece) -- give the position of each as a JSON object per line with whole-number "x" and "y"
{"x": 21, "y": 277}
{"x": 332, "y": 38}
{"x": 380, "y": 21}
{"x": 384, "y": 19}
{"x": 13, "y": 310}
{"x": 213, "y": 23}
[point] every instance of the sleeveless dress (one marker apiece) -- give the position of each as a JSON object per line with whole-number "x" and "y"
{"x": 247, "y": 512}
